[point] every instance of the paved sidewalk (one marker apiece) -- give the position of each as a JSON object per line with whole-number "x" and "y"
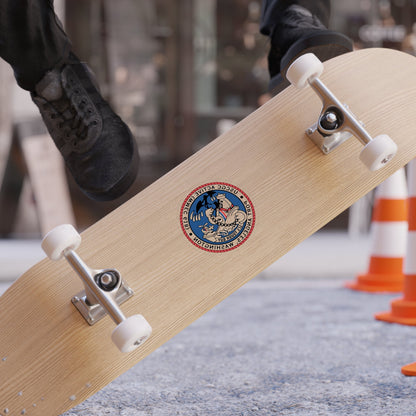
{"x": 291, "y": 342}
{"x": 16, "y": 256}
{"x": 274, "y": 347}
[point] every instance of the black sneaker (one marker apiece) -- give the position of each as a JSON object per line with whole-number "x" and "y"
{"x": 299, "y": 32}
{"x": 97, "y": 146}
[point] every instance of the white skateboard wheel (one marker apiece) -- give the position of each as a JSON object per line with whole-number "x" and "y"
{"x": 378, "y": 152}
{"x": 131, "y": 333}
{"x": 59, "y": 239}
{"x": 304, "y": 68}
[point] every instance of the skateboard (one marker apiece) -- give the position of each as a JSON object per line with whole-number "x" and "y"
{"x": 196, "y": 235}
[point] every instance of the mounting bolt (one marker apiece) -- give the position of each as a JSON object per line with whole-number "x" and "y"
{"x": 330, "y": 121}
{"x": 107, "y": 280}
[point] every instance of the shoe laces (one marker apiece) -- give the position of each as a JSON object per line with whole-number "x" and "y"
{"x": 73, "y": 121}
{"x": 76, "y": 121}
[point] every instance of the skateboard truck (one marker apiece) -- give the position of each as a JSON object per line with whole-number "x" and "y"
{"x": 105, "y": 290}
{"x": 110, "y": 284}
{"x": 336, "y": 122}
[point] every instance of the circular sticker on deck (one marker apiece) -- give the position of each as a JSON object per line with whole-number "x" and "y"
{"x": 217, "y": 217}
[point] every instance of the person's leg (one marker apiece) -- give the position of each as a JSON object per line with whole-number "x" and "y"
{"x": 296, "y": 27}
{"x": 98, "y": 147}
{"x": 32, "y": 40}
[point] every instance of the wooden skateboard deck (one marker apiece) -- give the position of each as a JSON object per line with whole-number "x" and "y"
{"x": 282, "y": 189}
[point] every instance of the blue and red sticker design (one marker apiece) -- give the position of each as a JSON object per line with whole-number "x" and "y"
{"x": 217, "y": 217}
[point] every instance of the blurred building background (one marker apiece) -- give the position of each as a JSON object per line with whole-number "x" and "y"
{"x": 180, "y": 72}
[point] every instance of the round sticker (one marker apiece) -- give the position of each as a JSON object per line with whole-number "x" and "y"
{"x": 217, "y": 217}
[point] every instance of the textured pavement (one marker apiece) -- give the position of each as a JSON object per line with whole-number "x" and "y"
{"x": 274, "y": 348}
{"x": 291, "y": 342}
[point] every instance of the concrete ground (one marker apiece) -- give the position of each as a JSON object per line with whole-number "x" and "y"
{"x": 274, "y": 348}
{"x": 291, "y": 342}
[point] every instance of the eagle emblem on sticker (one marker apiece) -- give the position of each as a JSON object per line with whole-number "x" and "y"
{"x": 217, "y": 217}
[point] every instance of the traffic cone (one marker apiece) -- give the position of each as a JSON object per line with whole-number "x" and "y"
{"x": 403, "y": 310}
{"x": 389, "y": 233}
{"x": 409, "y": 369}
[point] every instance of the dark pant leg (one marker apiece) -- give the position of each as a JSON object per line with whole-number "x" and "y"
{"x": 32, "y": 40}
{"x": 273, "y": 9}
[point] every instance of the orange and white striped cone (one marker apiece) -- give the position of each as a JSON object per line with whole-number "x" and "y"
{"x": 403, "y": 310}
{"x": 389, "y": 235}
